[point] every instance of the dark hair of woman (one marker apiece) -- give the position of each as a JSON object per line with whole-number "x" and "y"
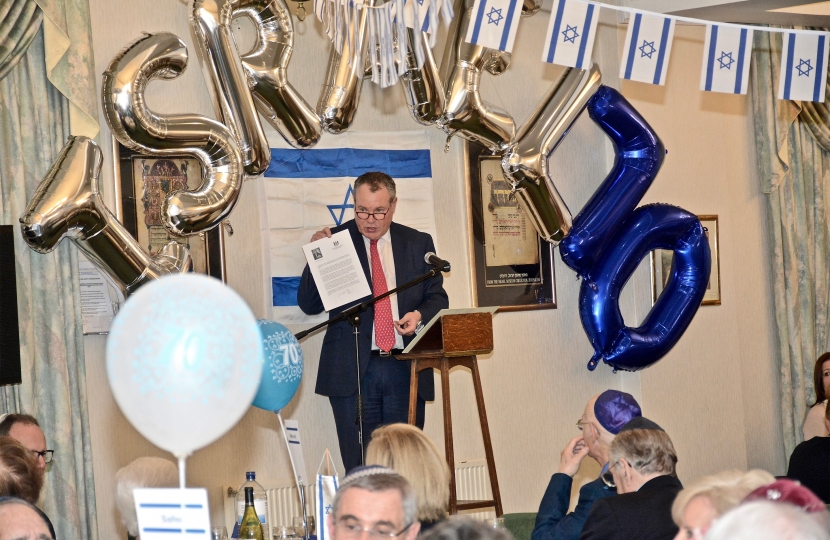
{"x": 818, "y": 378}
{"x": 20, "y": 475}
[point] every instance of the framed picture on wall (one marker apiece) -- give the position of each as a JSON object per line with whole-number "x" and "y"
{"x": 143, "y": 182}
{"x": 511, "y": 266}
{"x": 661, "y": 260}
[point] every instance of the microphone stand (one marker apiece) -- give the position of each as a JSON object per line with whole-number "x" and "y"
{"x": 353, "y": 315}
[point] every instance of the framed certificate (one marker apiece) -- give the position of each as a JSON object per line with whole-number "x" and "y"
{"x": 511, "y": 266}
{"x": 143, "y": 182}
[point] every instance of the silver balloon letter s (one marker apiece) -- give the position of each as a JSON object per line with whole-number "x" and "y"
{"x": 466, "y": 114}
{"x": 525, "y": 164}
{"x": 67, "y": 203}
{"x": 210, "y": 22}
{"x": 135, "y": 126}
{"x": 266, "y": 65}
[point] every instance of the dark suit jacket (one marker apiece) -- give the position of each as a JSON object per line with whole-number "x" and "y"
{"x": 642, "y": 515}
{"x": 810, "y": 465}
{"x": 553, "y": 521}
{"x": 337, "y": 375}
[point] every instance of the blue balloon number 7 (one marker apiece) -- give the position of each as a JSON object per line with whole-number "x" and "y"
{"x": 610, "y": 237}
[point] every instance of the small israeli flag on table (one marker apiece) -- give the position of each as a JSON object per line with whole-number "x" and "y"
{"x": 494, "y": 24}
{"x": 571, "y": 32}
{"x": 803, "y": 67}
{"x": 647, "y": 48}
{"x": 726, "y": 59}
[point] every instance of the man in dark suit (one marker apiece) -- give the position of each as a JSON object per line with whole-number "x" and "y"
{"x": 396, "y": 253}
{"x": 643, "y": 463}
{"x": 602, "y": 419}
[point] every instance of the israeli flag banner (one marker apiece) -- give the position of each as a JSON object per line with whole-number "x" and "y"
{"x": 571, "y": 33}
{"x": 307, "y": 190}
{"x": 803, "y": 67}
{"x": 494, "y": 24}
{"x": 726, "y": 59}
{"x": 423, "y": 14}
{"x": 647, "y": 48}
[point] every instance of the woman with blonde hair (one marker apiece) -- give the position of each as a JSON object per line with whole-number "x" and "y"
{"x": 413, "y": 455}
{"x": 709, "y": 497}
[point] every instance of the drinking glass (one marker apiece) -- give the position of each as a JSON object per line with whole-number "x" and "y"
{"x": 298, "y": 525}
{"x": 281, "y": 532}
{"x": 496, "y": 523}
{"x": 219, "y": 533}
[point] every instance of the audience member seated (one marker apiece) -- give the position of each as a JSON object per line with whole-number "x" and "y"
{"x": 814, "y": 425}
{"x": 413, "y": 455}
{"x": 20, "y": 474}
{"x": 702, "y": 502}
{"x": 144, "y": 472}
{"x": 786, "y": 491}
{"x": 376, "y": 500}
{"x": 810, "y": 463}
{"x": 765, "y": 520}
{"x": 602, "y": 419}
{"x": 20, "y": 520}
{"x": 643, "y": 463}
{"x": 464, "y": 529}
{"x": 26, "y": 429}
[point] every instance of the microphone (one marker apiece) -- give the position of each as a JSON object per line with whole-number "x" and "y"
{"x": 432, "y": 259}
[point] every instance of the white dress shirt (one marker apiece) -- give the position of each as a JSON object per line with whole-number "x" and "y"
{"x": 387, "y": 260}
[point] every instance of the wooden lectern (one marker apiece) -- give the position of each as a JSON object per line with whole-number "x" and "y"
{"x": 454, "y": 339}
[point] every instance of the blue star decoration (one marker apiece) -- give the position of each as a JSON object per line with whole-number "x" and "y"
{"x": 726, "y": 60}
{"x": 328, "y": 509}
{"x": 804, "y": 67}
{"x": 338, "y": 220}
{"x": 494, "y": 16}
{"x": 570, "y": 34}
{"x": 647, "y": 48}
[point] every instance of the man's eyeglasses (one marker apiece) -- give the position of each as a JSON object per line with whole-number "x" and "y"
{"x": 380, "y": 216}
{"x": 380, "y": 532}
{"x": 580, "y": 423}
{"x": 46, "y": 455}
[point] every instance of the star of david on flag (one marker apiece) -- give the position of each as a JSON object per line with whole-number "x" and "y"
{"x": 572, "y": 30}
{"x": 647, "y": 48}
{"x": 427, "y": 15}
{"x": 306, "y": 190}
{"x": 494, "y": 24}
{"x": 803, "y": 66}
{"x": 726, "y": 54}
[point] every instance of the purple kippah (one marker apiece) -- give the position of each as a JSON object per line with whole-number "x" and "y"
{"x": 614, "y": 409}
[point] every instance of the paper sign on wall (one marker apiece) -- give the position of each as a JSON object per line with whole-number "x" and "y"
{"x": 171, "y": 513}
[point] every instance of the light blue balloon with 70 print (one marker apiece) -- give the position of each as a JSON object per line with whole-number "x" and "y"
{"x": 282, "y": 369}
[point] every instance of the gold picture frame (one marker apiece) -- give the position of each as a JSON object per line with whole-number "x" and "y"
{"x": 661, "y": 260}
{"x": 142, "y": 181}
{"x": 511, "y": 266}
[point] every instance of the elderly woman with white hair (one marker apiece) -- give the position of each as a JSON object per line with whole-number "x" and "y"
{"x": 643, "y": 463}
{"x": 144, "y": 472}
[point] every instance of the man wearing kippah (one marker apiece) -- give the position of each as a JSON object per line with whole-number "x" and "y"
{"x": 604, "y": 417}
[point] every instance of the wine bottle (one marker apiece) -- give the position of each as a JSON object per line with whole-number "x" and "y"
{"x": 250, "y": 527}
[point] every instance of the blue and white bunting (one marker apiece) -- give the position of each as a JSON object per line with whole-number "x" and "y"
{"x": 726, "y": 54}
{"x": 803, "y": 67}
{"x": 647, "y": 48}
{"x": 571, "y": 33}
{"x": 494, "y": 23}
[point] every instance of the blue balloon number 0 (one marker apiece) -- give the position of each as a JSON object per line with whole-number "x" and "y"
{"x": 610, "y": 237}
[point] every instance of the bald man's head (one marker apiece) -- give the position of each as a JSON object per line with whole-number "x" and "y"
{"x": 20, "y": 520}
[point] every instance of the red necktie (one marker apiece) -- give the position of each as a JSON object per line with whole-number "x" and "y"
{"x": 384, "y": 329}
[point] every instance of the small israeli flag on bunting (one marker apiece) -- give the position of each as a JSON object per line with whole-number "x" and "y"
{"x": 647, "y": 48}
{"x": 571, "y": 32}
{"x": 803, "y": 67}
{"x": 726, "y": 56}
{"x": 494, "y": 24}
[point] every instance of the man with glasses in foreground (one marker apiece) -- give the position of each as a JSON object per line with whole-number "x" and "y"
{"x": 391, "y": 255}
{"x": 26, "y": 430}
{"x": 603, "y": 418}
{"x": 377, "y": 501}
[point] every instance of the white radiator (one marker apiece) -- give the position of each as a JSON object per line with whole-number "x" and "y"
{"x": 471, "y": 480}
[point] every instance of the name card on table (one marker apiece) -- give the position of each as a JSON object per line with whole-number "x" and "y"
{"x": 172, "y": 513}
